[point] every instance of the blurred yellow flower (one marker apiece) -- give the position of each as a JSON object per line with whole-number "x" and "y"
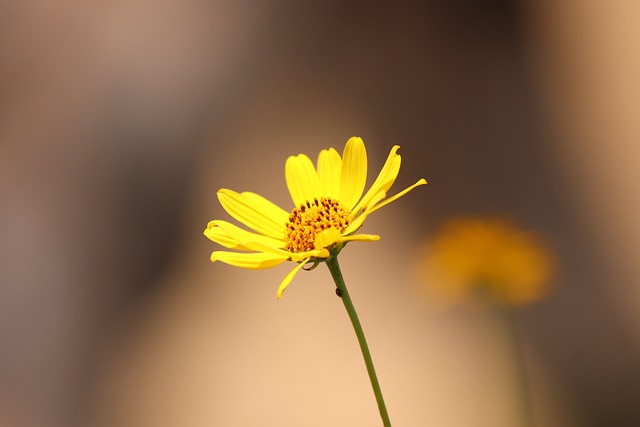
{"x": 491, "y": 257}
{"x": 329, "y": 207}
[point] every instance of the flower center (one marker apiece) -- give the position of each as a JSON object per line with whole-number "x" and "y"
{"x": 312, "y": 218}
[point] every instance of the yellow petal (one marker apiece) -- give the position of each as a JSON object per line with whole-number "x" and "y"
{"x": 250, "y": 212}
{"x": 245, "y": 240}
{"x": 252, "y": 261}
{"x": 270, "y": 209}
{"x": 362, "y": 238}
{"x": 326, "y": 238}
{"x": 289, "y": 277}
{"x": 353, "y": 175}
{"x": 302, "y": 179}
{"x": 397, "y": 196}
{"x": 385, "y": 179}
{"x": 372, "y": 206}
{"x": 219, "y": 236}
{"x": 331, "y": 236}
{"x": 329, "y": 167}
{"x": 359, "y": 220}
{"x": 314, "y": 253}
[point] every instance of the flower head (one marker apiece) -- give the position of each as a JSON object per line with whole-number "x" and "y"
{"x": 329, "y": 208}
{"x": 493, "y": 256}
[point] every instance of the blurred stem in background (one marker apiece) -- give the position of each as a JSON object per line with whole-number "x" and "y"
{"x": 492, "y": 261}
{"x": 520, "y": 376}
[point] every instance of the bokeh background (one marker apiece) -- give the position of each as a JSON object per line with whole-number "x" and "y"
{"x": 120, "y": 120}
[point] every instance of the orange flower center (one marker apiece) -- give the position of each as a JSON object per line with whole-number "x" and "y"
{"x": 312, "y": 218}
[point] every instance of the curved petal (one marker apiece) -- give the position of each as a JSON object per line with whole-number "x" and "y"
{"x": 250, "y": 212}
{"x": 244, "y": 240}
{"x": 248, "y": 240}
{"x": 252, "y": 261}
{"x": 329, "y": 167}
{"x": 353, "y": 176}
{"x": 384, "y": 181}
{"x": 219, "y": 236}
{"x": 289, "y": 277}
{"x": 302, "y": 179}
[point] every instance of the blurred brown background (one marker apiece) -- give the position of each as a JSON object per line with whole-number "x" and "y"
{"x": 119, "y": 121}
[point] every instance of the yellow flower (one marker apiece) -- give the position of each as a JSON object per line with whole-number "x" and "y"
{"x": 328, "y": 210}
{"x": 493, "y": 256}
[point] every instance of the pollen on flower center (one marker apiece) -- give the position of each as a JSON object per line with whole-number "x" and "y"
{"x": 312, "y": 218}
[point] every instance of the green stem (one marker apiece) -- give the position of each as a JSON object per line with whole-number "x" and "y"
{"x": 341, "y": 290}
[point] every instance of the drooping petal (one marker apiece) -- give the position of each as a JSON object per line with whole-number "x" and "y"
{"x": 353, "y": 176}
{"x": 302, "y": 179}
{"x": 251, "y": 261}
{"x": 218, "y": 235}
{"x": 250, "y": 212}
{"x": 245, "y": 240}
{"x": 329, "y": 168}
{"x": 289, "y": 277}
{"x": 384, "y": 181}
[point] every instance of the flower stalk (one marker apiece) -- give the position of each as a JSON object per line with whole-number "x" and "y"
{"x": 343, "y": 293}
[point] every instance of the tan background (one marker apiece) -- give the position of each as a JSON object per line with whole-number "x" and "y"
{"x": 121, "y": 120}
